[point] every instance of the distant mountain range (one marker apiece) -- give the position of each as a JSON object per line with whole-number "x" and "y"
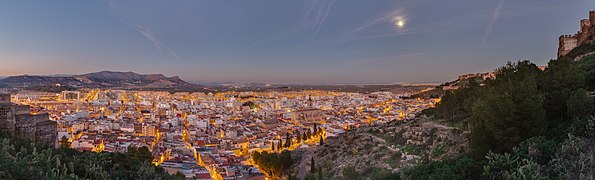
{"x": 99, "y": 79}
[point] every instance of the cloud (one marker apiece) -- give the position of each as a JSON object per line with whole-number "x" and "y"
{"x": 141, "y": 29}
{"x": 490, "y": 26}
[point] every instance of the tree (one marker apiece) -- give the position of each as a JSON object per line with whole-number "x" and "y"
{"x": 304, "y": 136}
{"x": 577, "y": 105}
{"x": 320, "y": 173}
{"x": 560, "y": 80}
{"x": 312, "y": 166}
{"x": 299, "y": 137}
{"x": 273, "y": 163}
{"x": 64, "y": 143}
{"x": 25, "y": 160}
{"x": 321, "y": 141}
{"x": 250, "y": 104}
{"x": 287, "y": 140}
{"x": 508, "y": 111}
{"x": 273, "y": 146}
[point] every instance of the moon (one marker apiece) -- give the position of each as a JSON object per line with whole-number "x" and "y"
{"x": 399, "y": 22}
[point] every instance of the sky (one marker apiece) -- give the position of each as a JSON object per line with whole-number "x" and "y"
{"x": 283, "y": 41}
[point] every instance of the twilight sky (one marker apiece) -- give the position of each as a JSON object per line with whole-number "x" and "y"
{"x": 283, "y": 41}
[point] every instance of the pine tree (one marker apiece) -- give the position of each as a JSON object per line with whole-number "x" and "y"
{"x": 288, "y": 142}
{"x": 273, "y": 146}
{"x": 321, "y": 141}
{"x": 304, "y": 136}
{"x": 312, "y": 166}
{"x": 319, "y": 173}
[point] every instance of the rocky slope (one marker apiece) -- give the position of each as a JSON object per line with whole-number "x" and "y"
{"x": 388, "y": 148}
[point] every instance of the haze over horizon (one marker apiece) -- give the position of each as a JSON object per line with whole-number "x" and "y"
{"x": 312, "y": 41}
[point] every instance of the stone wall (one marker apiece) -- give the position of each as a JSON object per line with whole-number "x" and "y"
{"x": 18, "y": 120}
{"x": 586, "y": 34}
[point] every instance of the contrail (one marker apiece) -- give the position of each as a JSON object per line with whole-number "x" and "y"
{"x": 490, "y": 25}
{"x": 141, "y": 29}
{"x": 317, "y": 14}
{"x": 326, "y": 13}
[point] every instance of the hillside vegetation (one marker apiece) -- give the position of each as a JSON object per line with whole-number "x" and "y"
{"x": 20, "y": 159}
{"x": 526, "y": 123}
{"x": 381, "y": 151}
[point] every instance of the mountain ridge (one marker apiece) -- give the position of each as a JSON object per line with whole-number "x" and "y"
{"x": 99, "y": 79}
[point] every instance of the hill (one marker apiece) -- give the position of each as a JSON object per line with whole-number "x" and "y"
{"x": 383, "y": 151}
{"x": 99, "y": 79}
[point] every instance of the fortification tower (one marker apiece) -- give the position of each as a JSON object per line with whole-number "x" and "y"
{"x": 567, "y": 43}
{"x": 583, "y": 32}
{"x": 592, "y": 17}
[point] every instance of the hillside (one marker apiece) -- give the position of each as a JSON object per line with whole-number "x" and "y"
{"x": 21, "y": 159}
{"x": 99, "y": 79}
{"x": 383, "y": 151}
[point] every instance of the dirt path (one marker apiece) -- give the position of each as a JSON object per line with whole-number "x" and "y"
{"x": 305, "y": 162}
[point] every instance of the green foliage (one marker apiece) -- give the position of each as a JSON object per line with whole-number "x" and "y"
{"x": 534, "y": 124}
{"x": 410, "y": 149}
{"x": 578, "y": 105}
{"x": 581, "y": 50}
{"x": 64, "y": 143}
{"x": 20, "y": 159}
{"x": 438, "y": 151}
{"x": 571, "y": 159}
{"x": 321, "y": 141}
{"x": 458, "y": 103}
{"x": 587, "y": 67}
{"x": 561, "y": 79}
{"x": 509, "y": 110}
{"x": 312, "y": 165}
{"x": 522, "y": 102}
{"x": 272, "y": 163}
{"x": 463, "y": 167}
{"x": 250, "y": 104}
{"x": 505, "y": 166}
{"x": 349, "y": 172}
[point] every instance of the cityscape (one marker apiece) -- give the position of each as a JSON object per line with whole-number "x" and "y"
{"x": 297, "y": 90}
{"x": 204, "y": 135}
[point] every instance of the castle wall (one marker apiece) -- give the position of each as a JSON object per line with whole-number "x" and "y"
{"x": 567, "y": 43}
{"x": 592, "y": 17}
{"x": 6, "y": 118}
{"x": 46, "y": 132}
{"x": 585, "y": 35}
{"x": 18, "y": 120}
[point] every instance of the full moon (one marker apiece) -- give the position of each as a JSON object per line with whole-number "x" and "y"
{"x": 400, "y": 23}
